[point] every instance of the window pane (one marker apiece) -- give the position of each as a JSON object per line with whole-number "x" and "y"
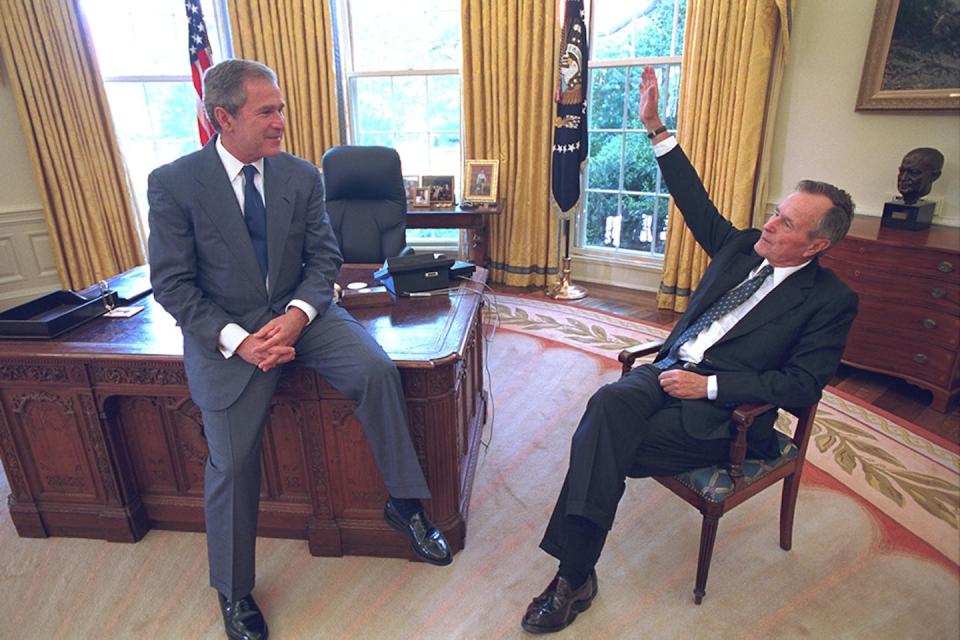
{"x": 602, "y": 221}
{"x": 607, "y": 94}
{"x": 414, "y": 153}
{"x": 414, "y": 34}
{"x": 145, "y": 38}
{"x": 155, "y": 123}
{"x": 444, "y": 102}
{"x": 603, "y": 164}
{"x": 373, "y": 106}
{"x": 653, "y": 29}
{"x": 445, "y": 155}
{"x": 408, "y": 103}
{"x": 681, "y": 26}
{"x": 639, "y": 164}
{"x": 612, "y": 36}
{"x": 669, "y": 95}
{"x": 637, "y": 228}
{"x": 662, "y": 209}
{"x": 377, "y": 139}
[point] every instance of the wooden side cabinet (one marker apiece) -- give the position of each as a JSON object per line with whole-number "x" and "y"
{"x": 909, "y": 287}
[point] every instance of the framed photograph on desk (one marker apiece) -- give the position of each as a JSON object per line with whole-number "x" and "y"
{"x": 410, "y": 183}
{"x": 421, "y": 198}
{"x": 480, "y": 180}
{"x": 441, "y": 190}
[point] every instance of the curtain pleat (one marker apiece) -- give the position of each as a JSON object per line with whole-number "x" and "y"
{"x": 295, "y": 39}
{"x": 88, "y": 204}
{"x": 509, "y": 67}
{"x": 725, "y": 103}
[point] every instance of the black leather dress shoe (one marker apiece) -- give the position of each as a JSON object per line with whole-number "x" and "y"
{"x": 425, "y": 539}
{"x": 243, "y": 619}
{"x": 558, "y": 605}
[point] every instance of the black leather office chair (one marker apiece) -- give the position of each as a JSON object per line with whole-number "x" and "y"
{"x": 366, "y": 201}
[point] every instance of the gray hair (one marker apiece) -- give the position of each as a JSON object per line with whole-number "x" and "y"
{"x": 835, "y": 223}
{"x": 223, "y": 85}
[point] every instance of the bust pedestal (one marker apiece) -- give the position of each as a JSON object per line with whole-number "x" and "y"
{"x": 900, "y": 215}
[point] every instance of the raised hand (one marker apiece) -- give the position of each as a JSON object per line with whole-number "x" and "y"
{"x": 650, "y": 99}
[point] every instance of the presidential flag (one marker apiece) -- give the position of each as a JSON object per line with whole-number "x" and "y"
{"x": 201, "y": 57}
{"x": 570, "y": 123}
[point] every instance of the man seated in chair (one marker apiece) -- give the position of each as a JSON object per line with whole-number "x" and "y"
{"x": 766, "y": 324}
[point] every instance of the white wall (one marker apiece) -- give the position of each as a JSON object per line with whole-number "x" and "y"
{"x": 819, "y": 136}
{"x": 27, "y": 266}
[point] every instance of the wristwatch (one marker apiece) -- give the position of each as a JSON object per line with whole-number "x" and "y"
{"x": 653, "y": 134}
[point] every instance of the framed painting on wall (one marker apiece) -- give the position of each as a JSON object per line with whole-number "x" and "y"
{"x": 912, "y": 60}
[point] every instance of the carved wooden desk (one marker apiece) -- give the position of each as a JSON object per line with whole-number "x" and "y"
{"x": 99, "y": 437}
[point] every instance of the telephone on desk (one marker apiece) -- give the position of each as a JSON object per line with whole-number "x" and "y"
{"x": 407, "y": 274}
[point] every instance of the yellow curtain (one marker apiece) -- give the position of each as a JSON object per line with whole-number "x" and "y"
{"x": 729, "y": 56}
{"x": 90, "y": 211}
{"x": 295, "y": 39}
{"x": 509, "y": 51}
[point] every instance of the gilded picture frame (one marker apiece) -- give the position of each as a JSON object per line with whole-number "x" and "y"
{"x": 911, "y": 61}
{"x": 480, "y": 178}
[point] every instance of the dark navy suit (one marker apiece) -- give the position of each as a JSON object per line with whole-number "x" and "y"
{"x": 782, "y": 352}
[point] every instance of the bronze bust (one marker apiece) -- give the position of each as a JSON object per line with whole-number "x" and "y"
{"x": 918, "y": 169}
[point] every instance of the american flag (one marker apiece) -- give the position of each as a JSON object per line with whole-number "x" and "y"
{"x": 201, "y": 57}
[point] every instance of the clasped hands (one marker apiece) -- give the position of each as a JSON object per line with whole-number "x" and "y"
{"x": 272, "y": 345}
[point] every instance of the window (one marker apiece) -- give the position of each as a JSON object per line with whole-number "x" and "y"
{"x": 401, "y": 62}
{"x": 625, "y": 206}
{"x": 142, "y": 52}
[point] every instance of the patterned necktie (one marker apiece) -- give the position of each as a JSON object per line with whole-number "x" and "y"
{"x": 721, "y": 306}
{"x": 255, "y": 215}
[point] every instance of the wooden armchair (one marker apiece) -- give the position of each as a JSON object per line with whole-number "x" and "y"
{"x": 717, "y": 489}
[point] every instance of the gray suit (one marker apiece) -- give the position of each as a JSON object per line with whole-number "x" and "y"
{"x": 205, "y": 274}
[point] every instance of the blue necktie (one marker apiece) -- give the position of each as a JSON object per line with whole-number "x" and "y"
{"x": 255, "y": 215}
{"x": 721, "y": 306}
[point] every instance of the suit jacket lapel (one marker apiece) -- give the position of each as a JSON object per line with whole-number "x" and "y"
{"x": 279, "y": 200}
{"x": 219, "y": 202}
{"x": 727, "y": 276}
{"x": 786, "y": 296}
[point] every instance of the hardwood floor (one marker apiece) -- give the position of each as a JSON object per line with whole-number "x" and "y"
{"x": 884, "y": 392}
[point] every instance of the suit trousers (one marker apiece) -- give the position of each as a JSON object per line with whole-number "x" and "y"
{"x": 630, "y": 428}
{"x": 338, "y": 348}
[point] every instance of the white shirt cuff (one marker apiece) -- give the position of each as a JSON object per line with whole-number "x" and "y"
{"x": 664, "y": 146}
{"x": 308, "y": 309}
{"x": 230, "y": 338}
{"x": 711, "y": 387}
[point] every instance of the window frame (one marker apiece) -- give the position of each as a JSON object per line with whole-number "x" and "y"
{"x": 222, "y": 47}
{"x": 631, "y": 259}
{"x": 347, "y": 98}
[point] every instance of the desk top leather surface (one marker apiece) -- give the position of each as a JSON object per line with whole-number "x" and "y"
{"x": 415, "y": 332}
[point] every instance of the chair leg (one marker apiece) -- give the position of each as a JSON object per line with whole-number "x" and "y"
{"x": 788, "y": 504}
{"x": 708, "y": 534}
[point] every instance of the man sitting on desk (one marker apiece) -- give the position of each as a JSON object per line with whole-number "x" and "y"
{"x": 243, "y": 256}
{"x": 766, "y": 325}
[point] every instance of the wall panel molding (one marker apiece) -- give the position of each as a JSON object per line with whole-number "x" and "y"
{"x": 27, "y": 265}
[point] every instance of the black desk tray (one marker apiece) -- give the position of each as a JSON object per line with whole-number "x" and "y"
{"x": 53, "y": 314}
